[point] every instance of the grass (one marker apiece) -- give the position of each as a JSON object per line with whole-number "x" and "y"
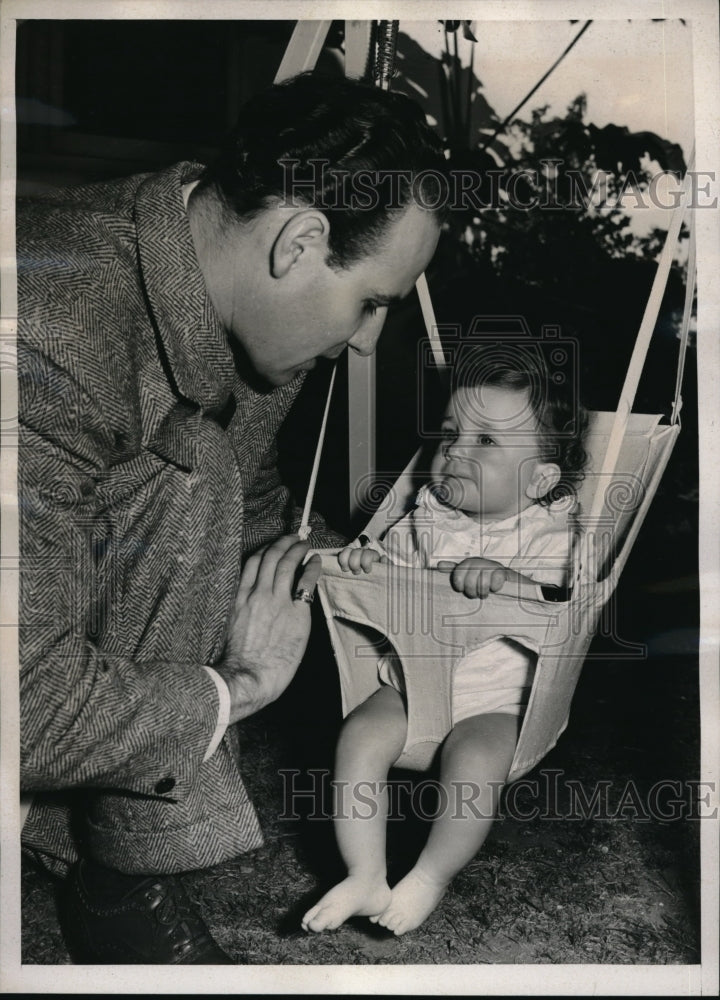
{"x": 567, "y": 890}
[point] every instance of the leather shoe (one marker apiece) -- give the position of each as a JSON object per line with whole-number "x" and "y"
{"x": 154, "y": 923}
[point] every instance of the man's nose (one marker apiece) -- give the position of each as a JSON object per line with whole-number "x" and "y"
{"x": 365, "y": 338}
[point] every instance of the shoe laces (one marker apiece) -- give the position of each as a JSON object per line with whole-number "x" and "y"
{"x": 174, "y": 913}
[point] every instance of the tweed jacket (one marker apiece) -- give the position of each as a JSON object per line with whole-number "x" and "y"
{"x": 146, "y": 470}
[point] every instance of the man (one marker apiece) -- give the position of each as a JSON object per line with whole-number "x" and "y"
{"x": 165, "y": 325}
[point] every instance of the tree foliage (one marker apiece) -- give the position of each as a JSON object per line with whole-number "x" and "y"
{"x": 548, "y": 237}
{"x": 556, "y": 181}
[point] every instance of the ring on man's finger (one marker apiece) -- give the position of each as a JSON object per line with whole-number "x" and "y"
{"x": 302, "y": 594}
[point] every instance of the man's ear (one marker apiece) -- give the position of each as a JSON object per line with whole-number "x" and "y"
{"x": 305, "y": 231}
{"x": 545, "y": 476}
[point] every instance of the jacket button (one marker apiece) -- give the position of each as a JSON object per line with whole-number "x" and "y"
{"x": 165, "y": 785}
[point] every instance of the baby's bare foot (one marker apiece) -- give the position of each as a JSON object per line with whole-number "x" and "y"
{"x": 412, "y": 900}
{"x": 354, "y": 897}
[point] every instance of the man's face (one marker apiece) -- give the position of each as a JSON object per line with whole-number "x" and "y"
{"x": 314, "y": 311}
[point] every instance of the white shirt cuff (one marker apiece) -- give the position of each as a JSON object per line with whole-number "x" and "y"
{"x": 223, "y": 712}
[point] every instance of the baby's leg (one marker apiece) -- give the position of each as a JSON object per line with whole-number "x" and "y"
{"x": 371, "y": 740}
{"x": 476, "y": 759}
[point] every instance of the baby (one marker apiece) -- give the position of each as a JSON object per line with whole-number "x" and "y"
{"x": 495, "y": 515}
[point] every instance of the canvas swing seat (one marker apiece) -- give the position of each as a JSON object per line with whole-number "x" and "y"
{"x": 430, "y": 626}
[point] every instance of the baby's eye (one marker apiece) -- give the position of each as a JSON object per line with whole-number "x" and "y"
{"x": 485, "y": 439}
{"x": 370, "y": 307}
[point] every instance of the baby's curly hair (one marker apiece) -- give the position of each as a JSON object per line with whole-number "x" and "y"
{"x": 561, "y": 418}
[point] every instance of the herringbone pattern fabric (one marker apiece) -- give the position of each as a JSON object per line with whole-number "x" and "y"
{"x": 146, "y": 470}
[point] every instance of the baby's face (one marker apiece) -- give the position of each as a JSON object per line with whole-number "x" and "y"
{"x": 489, "y": 454}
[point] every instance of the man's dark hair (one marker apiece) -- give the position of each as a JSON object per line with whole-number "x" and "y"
{"x": 359, "y": 130}
{"x": 562, "y": 420}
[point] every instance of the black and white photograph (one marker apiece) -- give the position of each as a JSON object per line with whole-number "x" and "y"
{"x": 353, "y": 369}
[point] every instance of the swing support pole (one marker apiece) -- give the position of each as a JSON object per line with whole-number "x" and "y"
{"x": 303, "y": 49}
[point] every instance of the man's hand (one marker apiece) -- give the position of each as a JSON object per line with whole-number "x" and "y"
{"x": 268, "y": 630}
{"x": 475, "y": 577}
{"x": 357, "y": 560}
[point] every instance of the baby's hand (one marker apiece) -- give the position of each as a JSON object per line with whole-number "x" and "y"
{"x": 475, "y": 577}
{"x": 355, "y": 560}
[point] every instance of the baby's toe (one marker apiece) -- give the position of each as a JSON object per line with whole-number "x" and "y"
{"x": 305, "y": 922}
{"x": 387, "y": 918}
{"x": 315, "y": 919}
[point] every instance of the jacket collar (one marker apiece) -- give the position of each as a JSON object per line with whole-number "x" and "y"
{"x": 194, "y": 341}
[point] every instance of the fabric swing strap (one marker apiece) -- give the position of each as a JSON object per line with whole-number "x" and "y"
{"x": 642, "y": 344}
{"x": 304, "y": 529}
{"x": 685, "y": 335}
{"x": 431, "y": 327}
